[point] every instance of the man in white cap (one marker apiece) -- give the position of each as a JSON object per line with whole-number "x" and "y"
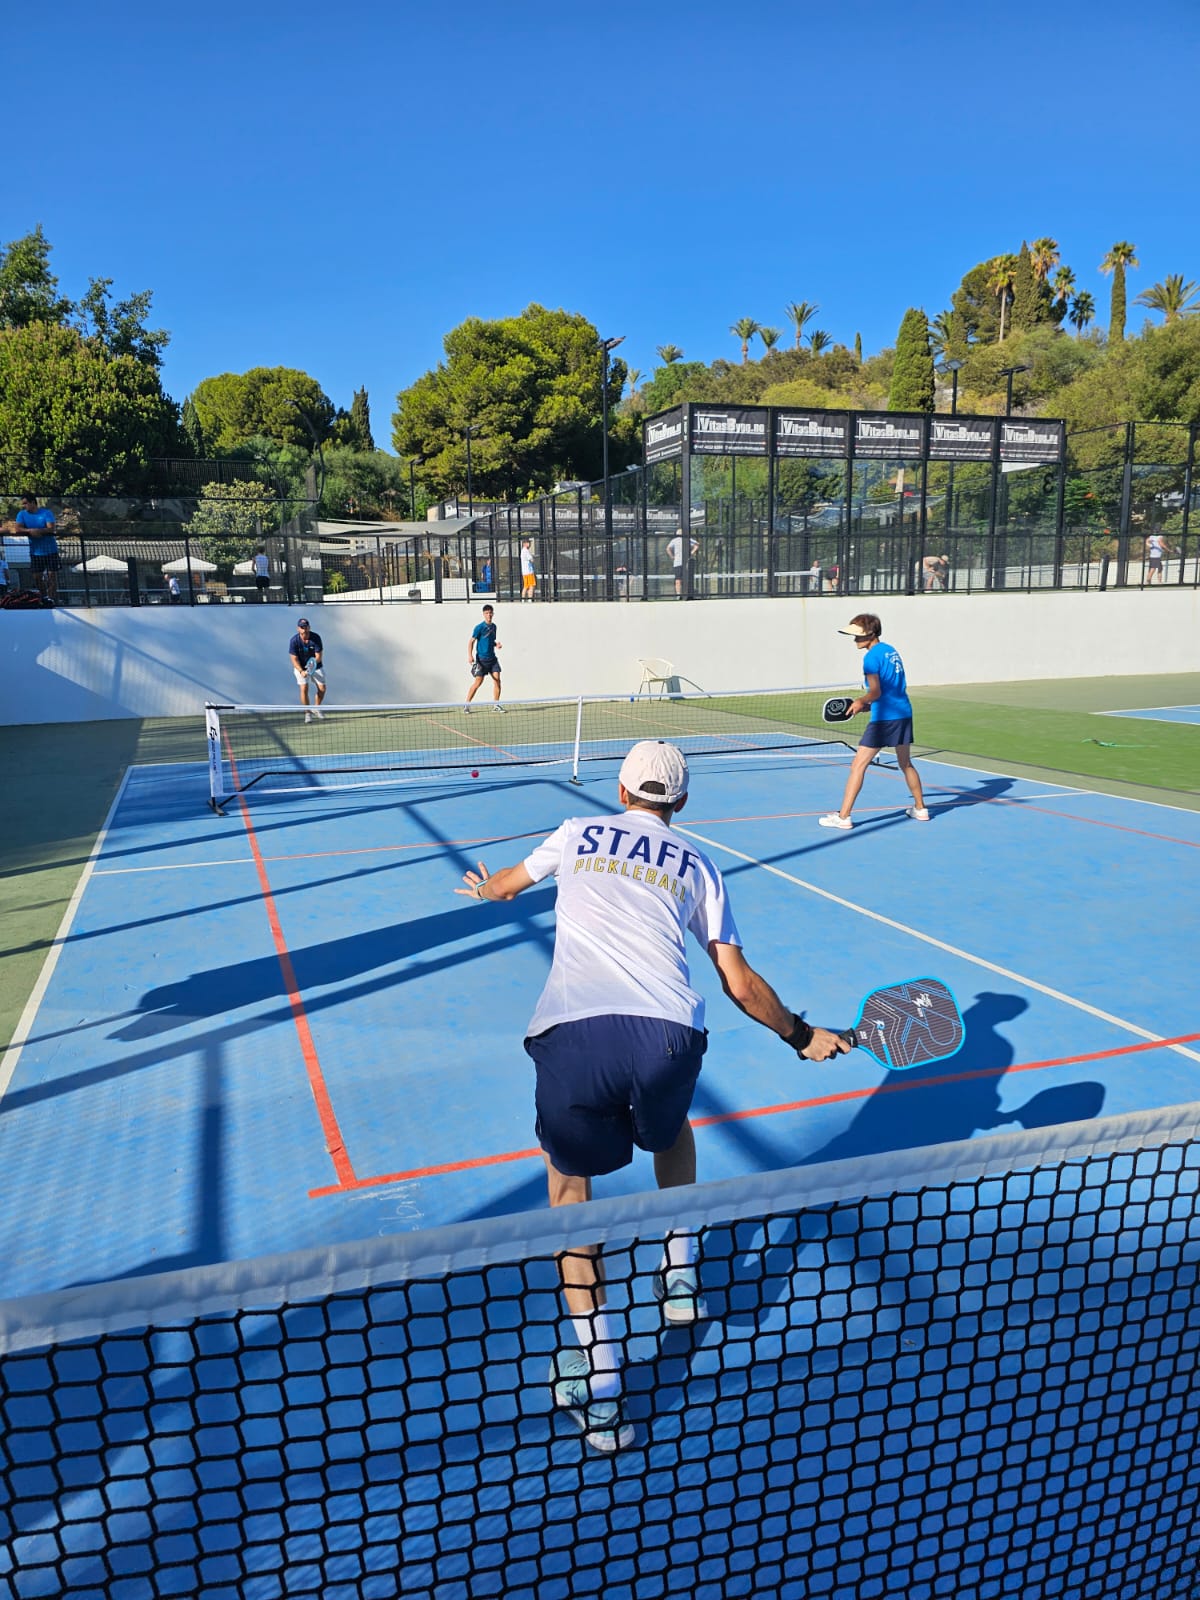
{"x": 617, "y": 1038}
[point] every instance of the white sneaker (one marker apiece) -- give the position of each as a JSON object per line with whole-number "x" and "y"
{"x": 308, "y": 716}
{"x": 467, "y": 709}
{"x": 834, "y": 819}
{"x": 319, "y": 714}
{"x": 496, "y": 706}
{"x": 917, "y": 813}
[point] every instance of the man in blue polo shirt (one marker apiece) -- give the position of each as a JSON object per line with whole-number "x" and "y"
{"x": 890, "y": 728}
{"x": 307, "y": 659}
{"x": 484, "y": 662}
{"x": 39, "y": 523}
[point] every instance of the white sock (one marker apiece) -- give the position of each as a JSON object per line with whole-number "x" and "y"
{"x": 679, "y": 1251}
{"x": 596, "y": 1340}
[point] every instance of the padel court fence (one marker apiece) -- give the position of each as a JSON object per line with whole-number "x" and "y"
{"x": 762, "y": 525}
{"x": 958, "y": 1373}
{"x": 287, "y": 748}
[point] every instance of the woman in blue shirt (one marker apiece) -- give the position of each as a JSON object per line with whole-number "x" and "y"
{"x": 890, "y": 727}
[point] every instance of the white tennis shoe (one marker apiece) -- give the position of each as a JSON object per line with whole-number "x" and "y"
{"x": 834, "y": 819}
{"x": 917, "y": 813}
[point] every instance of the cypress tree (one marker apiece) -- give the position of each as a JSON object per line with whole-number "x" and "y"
{"x": 360, "y": 420}
{"x": 1116, "y": 315}
{"x": 1025, "y": 306}
{"x": 912, "y": 375}
{"x": 858, "y": 348}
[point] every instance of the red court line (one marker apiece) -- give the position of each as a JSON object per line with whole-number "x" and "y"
{"x": 334, "y": 1142}
{"x": 1067, "y": 816}
{"x": 901, "y": 1087}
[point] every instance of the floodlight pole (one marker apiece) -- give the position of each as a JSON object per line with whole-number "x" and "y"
{"x": 605, "y": 346}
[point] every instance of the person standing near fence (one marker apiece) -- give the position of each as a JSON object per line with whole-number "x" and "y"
{"x": 307, "y": 657}
{"x": 38, "y": 523}
{"x": 675, "y": 552}
{"x": 262, "y": 573}
{"x": 617, "y": 1040}
{"x": 1156, "y": 549}
{"x": 528, "y": 572}
{"x": 890, "y": 727}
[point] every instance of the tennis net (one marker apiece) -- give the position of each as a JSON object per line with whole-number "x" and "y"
{"x": 289, "y": 747}
{"x": 967, "y": 1371}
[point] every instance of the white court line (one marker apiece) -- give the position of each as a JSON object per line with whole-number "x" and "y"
{"x": 24, "y": 1027}
{"x": 939, "y": 944}
{"x": 174, "y": 866}
{"x": 1063, "y": 788}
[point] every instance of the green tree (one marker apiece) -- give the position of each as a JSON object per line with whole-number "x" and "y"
{"x": 230, "y": 520}
{"x": 275, "y": 402}
{"x": 1083, "y": 310}
{"x": 192, "y": 430}
{"x": 1025, "y": 306}
{"x": 669, "y": 383}
{"x": 769, "y": 337}
{"x": 1172, "y": 297}
{"x": 1043, "y": 258}
{"x": 363, "y": 483}
{"x": 530, "y": 385}
{"x": 858, "y": 348}
{"x": 912, "y": 378}
{"x": 120, "y": 330}
{"x": 819, "y": 340}
{"x": 668, "y": 354}
{"x": 1165, "y": 379}
{"x": 28, "y": 288}
{"x": 83, "y": 420}
{"x": 974, "y": 303}
{"x": 1122, "y": 255}
{"x": 1064, "y": 287}
{"x": 800, "y": 313}
{"x": 744, "y": 329}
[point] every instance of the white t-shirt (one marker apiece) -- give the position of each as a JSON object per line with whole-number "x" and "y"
{"x": 628, "y": 889}
{"x": 527, "y": 568}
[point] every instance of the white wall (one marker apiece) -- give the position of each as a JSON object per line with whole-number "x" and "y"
{"x": 67, "y": 666}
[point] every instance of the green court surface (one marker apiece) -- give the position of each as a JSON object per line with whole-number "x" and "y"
{"x": 70, "y": 774}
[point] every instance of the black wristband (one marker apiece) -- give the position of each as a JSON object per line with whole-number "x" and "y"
{"x": 801, "y": 1035}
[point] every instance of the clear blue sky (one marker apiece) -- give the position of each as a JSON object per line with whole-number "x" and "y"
{"x": 333, "y": 188}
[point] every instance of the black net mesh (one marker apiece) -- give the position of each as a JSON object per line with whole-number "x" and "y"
{"x": 972, "y": 1387}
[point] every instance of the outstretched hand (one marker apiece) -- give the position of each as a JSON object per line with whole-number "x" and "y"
{"x": 474, "y": 882}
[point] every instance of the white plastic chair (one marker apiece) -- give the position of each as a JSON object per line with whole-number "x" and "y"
{"x": 656, "y": 671}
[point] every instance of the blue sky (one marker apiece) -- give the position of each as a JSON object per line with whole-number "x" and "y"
{"x": 334, "y": 188}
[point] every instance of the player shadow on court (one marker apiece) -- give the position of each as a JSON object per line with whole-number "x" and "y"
{"x": 323, "y": 967}
{"x": 946, "y": 1102}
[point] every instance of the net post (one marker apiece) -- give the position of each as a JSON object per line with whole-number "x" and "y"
{"x": 575, "y": 778}
{"x": 216, "y": 774}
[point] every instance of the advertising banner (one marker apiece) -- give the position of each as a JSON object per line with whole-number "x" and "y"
{"x": 961, "y": 438}
{"x": 729, "y": 430}
{"x": 662, "y": 437}
{"x": 811, "y": 433}
{"x": 1033, "y": 441}
{"x": 891, "y": 435}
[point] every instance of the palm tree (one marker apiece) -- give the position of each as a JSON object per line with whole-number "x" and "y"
{"x": 669, "y": 353}
{"x": 1043, "y": 255}
{"x": 769, "y": 337}
{"x": 1121, "y": 255}
{"x": 941, "y": 333}
{"x": 819, "y": 340}
{"x": 632, "y": 376}
{"x": 1064, "y": 285}
{"x": 1083, "y": 311}
{"x": 1002, "y": 270}
{"x": 744, "y": 329}
{"x": 801, "y": 312}
{"x": 1172, "y": 297}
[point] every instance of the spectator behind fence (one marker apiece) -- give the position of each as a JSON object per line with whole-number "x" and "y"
{"x": 936, "y": 569}
{"x": 43, "y": 546}
{"x": 262, "y": 572}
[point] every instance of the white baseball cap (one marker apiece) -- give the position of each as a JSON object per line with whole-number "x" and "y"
{"x": 855, "y": 630}
{"x": 654, "y": 761}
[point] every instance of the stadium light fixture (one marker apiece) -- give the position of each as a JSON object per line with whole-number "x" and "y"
{"x": 1010, "y": 373}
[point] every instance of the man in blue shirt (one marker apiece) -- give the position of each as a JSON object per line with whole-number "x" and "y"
{"x": 305, "y": 652}
{"x": 43, "y": 546}
{"x": 890, "y": 727}
{"x": 483, "y": 660}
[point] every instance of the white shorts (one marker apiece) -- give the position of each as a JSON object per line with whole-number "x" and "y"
{"x": 317, "y": 675}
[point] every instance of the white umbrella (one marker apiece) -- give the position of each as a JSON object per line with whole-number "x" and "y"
{"x": 181, "y": 564}
{"x": 244, "y": 569}
{"x": 102, "y": 563}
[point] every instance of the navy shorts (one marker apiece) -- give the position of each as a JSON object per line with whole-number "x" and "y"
{"x": 48, "y": 563}
{"x": 607, "y": 1083}
{"x": 887, "y": 735}
{"x": 485, "y": 669}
